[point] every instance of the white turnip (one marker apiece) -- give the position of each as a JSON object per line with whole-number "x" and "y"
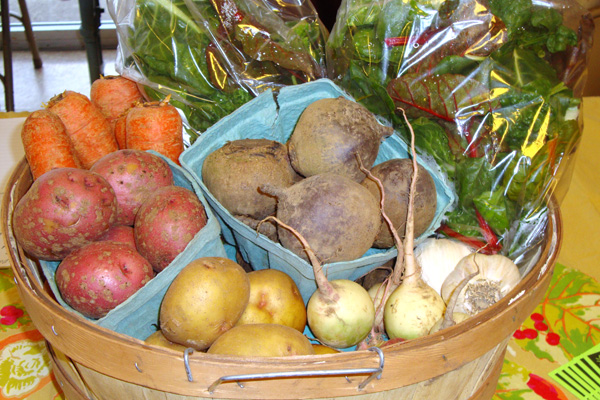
{"x": 413, "y": 307}
{"x": 340, "y": 313}
{"x": 406, "y": 307}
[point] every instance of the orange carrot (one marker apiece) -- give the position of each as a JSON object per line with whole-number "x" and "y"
{"x": 155, "y": 126}
{"x": 46, "y": 143}
{"x": 113, "y": 95}
{"x": 88, "y": 129}
{"x": 120, "y": 131}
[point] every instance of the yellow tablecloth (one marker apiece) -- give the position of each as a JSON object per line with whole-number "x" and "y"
{"x": 570, "y": 309}
{"x": 544, "y": 342}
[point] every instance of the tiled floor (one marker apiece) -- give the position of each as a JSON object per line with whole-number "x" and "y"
{"x": 66, "y": 70}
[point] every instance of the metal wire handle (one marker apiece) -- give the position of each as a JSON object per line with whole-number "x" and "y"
{"x": 374, "y": 373}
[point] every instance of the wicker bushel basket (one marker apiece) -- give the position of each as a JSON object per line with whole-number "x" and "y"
{"x": 92, "y": 362}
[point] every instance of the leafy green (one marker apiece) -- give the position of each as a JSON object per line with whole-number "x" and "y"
{"x": 535, "y": 27}
{"x": 491, "y": 102}
{"x": 431, "y": 139}
{"x": 212, "y": 56}
{"x": 496, "y": 210}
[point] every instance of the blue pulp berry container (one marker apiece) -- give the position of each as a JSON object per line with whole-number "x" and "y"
{"x": 274, "y": 116}
{"x": 138, "y": 315}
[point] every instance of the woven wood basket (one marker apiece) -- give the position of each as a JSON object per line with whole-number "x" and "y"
{"x": 91, "y": 362}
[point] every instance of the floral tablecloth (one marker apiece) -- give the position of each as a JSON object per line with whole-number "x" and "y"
{"x": 565, "y": 324}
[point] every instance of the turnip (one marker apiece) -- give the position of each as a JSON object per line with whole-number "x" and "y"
{"x": 413, "y": 307}
{"x": 340, "y": 313}
{"x": 406, "y": 307}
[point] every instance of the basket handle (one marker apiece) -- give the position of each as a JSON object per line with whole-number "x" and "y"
{"x": 374, "y": 373}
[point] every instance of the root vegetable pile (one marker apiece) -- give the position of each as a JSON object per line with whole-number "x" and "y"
{"x": 89, "y": 187}
{"x": 109, "y": 211}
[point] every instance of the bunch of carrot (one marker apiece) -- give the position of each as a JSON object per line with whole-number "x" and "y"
{"x": 74, "y": 130}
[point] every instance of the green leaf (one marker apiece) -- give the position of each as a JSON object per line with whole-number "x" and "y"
{"x": 495, "y": 209}
{"x": 548, "y": 18}
{"x": 515, "y": 13}
{"x": 366, "y": 86}
{"x": 562, "y": 38}
{"x": 474, "y": 176}
{"x": 431, "y": 138}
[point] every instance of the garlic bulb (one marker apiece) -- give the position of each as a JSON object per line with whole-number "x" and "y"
{"x": 438, "y": 257}
{"x": 457, "y": 317}
{"x": 496, "y": 276}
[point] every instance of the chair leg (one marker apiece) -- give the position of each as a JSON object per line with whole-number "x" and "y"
{"x": 26, "y": 21}
{"x": 7, "y": 77}
{"x": 90, "y": 24}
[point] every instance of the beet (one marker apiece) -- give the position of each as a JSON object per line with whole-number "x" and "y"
{"x": 330, "y": 134}
{"x": 234, "y": 172}
{"x": 337, "y": 216}
{"x": 396, "y": 176}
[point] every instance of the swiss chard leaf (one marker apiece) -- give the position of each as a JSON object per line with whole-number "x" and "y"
{"x": 463, "y": 221}
{"x": 495, "y": 209}
{"x": 440, "y": 96}
{"x": 367, "y": 85}
{"x": 431, "y": 138}
{"x": 473, "y": 177}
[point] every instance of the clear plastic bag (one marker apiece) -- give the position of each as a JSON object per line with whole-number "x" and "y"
{"x": 492, "y": 91}
{"x": 211, "y": 56}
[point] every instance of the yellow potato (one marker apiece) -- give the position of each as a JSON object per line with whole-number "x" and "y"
{"x": 322, "y": 349}
{"x": 158, "y": 339}
{"x": 204, "y": 300}
{"x": 262, "y": 340}
{"x": 274, "y": 299}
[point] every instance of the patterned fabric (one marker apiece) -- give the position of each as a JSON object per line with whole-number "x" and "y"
{"x": 25, "y": 371}
{"x": 563, "y": 326}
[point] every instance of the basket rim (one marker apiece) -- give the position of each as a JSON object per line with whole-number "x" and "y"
{"x": 129, "y": 359}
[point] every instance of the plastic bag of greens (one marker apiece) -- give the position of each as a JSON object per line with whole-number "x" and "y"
{"x": 212, "y": 56}
{"x": 492, "y": 89}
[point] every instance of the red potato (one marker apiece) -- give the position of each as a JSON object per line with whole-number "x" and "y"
{"x": 46, "y": 143}
{"x": 155, "y": 126}
{"x": 88, "y": 129}
{"x": 63, "y": 210}
{"x": 119, "y": 234}
{"x": 134, "y": 175}
{"x": 165, "y": 224}
{"x": 101, "y": 275}
{"x": 114, "y": 95}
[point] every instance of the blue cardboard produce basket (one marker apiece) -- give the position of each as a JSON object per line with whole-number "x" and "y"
{"x": 271, "y": 116}
{"x": 138, "y": 315}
